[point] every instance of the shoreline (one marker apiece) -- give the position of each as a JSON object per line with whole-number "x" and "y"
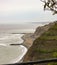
{"x": 25, "y": 37}
{"x": 28, "y": 40}
{"x": 26, "y": 46}
{"x": 22, "y": 49}
{"x": 25, "y": 43}
{"x": 20, "y": 59}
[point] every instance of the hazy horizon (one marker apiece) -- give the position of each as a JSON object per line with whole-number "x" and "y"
{"x": 22, "y": 11}
{"x": 29, "y": 27}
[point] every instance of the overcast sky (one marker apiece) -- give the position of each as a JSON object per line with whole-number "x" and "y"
{"x": 21, "y": 11}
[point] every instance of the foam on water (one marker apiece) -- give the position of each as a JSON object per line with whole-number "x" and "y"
{"x": 3, "y": 44}
{"x": 11, "y": 38}
{"x": 12, "y": 54}
{"x": 24, "y": 50}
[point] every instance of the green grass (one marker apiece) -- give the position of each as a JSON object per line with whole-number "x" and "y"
{"x": 52, "y": 63}
{"x": 54, "y": 51}
{"x": 51, "y": 34}
{"x": 54, "y": 27}
{"x": 45, "y": 46}
{"x": 54, "y": 55}
{"x": 48, "y": 38}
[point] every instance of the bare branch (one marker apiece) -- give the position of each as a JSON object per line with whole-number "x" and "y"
{"x": 50, "y": 5}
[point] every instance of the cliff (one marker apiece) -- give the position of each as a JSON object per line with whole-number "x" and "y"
{"x": 30, "y": 37}
{"x": 44, "y": 43}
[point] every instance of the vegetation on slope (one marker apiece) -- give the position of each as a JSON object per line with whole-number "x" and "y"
{"x": 45, "y": 46}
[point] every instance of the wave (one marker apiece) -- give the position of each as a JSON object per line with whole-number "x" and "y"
{"x": 3, "y": 45}
{"x": 7, "y": 51}
{"x": 19, "y": 58}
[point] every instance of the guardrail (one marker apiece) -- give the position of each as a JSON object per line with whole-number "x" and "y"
{"x": 35, "y": 62}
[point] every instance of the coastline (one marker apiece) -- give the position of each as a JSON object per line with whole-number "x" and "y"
{"x": 30, "y": 37}
{"x": 18, "y": 51}
{"x": 38, "y": 32}
{"x": 27, "y": 43}
{"x": 20, "y": 59}
{"x": 28, "y": 40}
{"x": 26, "y": 46}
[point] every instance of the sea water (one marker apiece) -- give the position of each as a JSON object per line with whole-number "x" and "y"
{"x": 11, "y": 54}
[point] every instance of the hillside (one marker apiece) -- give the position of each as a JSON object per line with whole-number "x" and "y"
{"x": 45, "y": 43}
{"x": 30, "y": 37}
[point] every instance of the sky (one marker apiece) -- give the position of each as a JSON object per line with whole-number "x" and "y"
{"x": 22, "y": 11}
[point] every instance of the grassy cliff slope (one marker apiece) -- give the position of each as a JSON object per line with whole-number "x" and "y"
{"x": 44, "y": 46}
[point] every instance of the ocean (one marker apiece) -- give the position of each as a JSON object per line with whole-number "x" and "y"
{"x": 8, "y": 53}
{"x": 13, "y": 54}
